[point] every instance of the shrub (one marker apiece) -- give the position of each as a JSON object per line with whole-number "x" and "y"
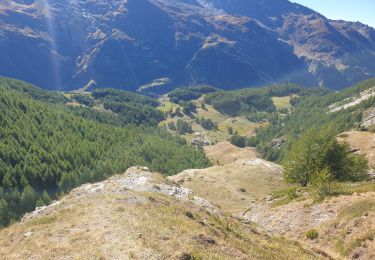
{"x": 183, "y": 127}
{"x": 321, "y": 182}
{"x": 238, "y": 141}
{"x": 312, "y": 234}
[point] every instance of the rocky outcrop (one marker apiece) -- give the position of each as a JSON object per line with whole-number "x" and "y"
{"x": 369, "y": 120}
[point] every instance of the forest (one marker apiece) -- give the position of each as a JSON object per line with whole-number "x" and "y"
{"x": 310, "y": 111}
{"x": 255, "y": 102}
{"x": 190, "y": 93}
{"x": 47, "y": 149}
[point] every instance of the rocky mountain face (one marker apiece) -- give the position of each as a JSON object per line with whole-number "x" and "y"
{"x": 160, "y": 44}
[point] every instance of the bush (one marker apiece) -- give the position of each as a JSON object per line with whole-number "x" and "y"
{"x": 172, "y": 126}
{"x": 183, "y": 127}
{"x": 188, "y": 107}
{"x": 321, "y": 182}
{"x": 238, "y": 141}
{"x": 312, "y": 234}
{"x": 208, "y": 124}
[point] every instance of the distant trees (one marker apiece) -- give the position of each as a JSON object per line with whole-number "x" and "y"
{"x": 136, "y": 114}
{"x": 310, "y": 111}
{"x": 318, "y": 150}
{"x": 208, "y": 124}
{"x": 188, "y": 107}
{"x": 238, "y": 140}
{"x": 189, "y": 93}
{"x": 84, "y": 100}
{"x": 183, "y": 127}
{"x": 122, "y": 96}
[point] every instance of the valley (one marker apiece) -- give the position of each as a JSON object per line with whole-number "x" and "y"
{"x": 187, "y": 129}
{"x": 216, "y": 181}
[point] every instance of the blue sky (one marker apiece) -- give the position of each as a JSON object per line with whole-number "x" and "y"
{"x": 350, "y": 10}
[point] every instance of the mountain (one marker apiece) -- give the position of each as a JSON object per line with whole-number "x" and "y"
{"x": 161, "y": 44}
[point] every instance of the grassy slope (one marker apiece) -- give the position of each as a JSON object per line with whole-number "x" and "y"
{"x": 345, "y": 223}
{"x": 117, "y": 223}
{"x": 237, "y": 182}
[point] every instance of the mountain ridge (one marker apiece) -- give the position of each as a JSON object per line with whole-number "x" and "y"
{"x": 127, "y": 44}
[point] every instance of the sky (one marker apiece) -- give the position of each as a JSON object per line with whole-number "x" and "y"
{"x": 350, "y": 10}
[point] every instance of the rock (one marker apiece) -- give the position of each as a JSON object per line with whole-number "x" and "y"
{"x": 28, "y": 234}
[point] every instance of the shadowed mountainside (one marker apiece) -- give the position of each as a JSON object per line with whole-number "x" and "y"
{"x": 128, "y": 44}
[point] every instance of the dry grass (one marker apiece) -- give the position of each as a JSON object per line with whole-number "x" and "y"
{"x": 233, "y": 187}
{"x": 167, "y": 106}
{"x": 138, "y": 226}
{"x": 238, "y": 180}
{"x": 282, "y": 102}
{"x": 362, "y": 141}
{"x": 225, "y": 153}
{"x": 357, "y": 209}
{"x": 240, "y": 125}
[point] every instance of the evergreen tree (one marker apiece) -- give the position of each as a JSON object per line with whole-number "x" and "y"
{"x": 319, "y": 149}
{"x": 4, "y": 213}
{"x": 28, "y": 199}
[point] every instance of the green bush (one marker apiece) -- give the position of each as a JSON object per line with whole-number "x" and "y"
{"x": 312, "y": 234}
{"x": 238, "y": 140}
{"x": 321, "y": 182}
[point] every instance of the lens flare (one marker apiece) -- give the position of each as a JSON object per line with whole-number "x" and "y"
{"x": 54, "y": 55}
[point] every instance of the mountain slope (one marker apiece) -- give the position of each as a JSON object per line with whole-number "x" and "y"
{"x": 46, "y": 149}
{"x": 138, "y": 214}
{"x": 338, "y": 53}
{"x": 68, "y": 44}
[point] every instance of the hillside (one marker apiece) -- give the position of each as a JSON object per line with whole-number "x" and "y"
{"x": 138, "y": 215}
{"x": 240, "y": 179}
{"x": 344, "y": 224}
{"x": 46, "y": 149}
{"x": 363, "y": 142}
{"x": 229, "y": 44}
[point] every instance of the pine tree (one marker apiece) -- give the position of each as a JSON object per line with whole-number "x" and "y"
{"x": 4, "y": 213}
{"x": 28, "y": 199}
